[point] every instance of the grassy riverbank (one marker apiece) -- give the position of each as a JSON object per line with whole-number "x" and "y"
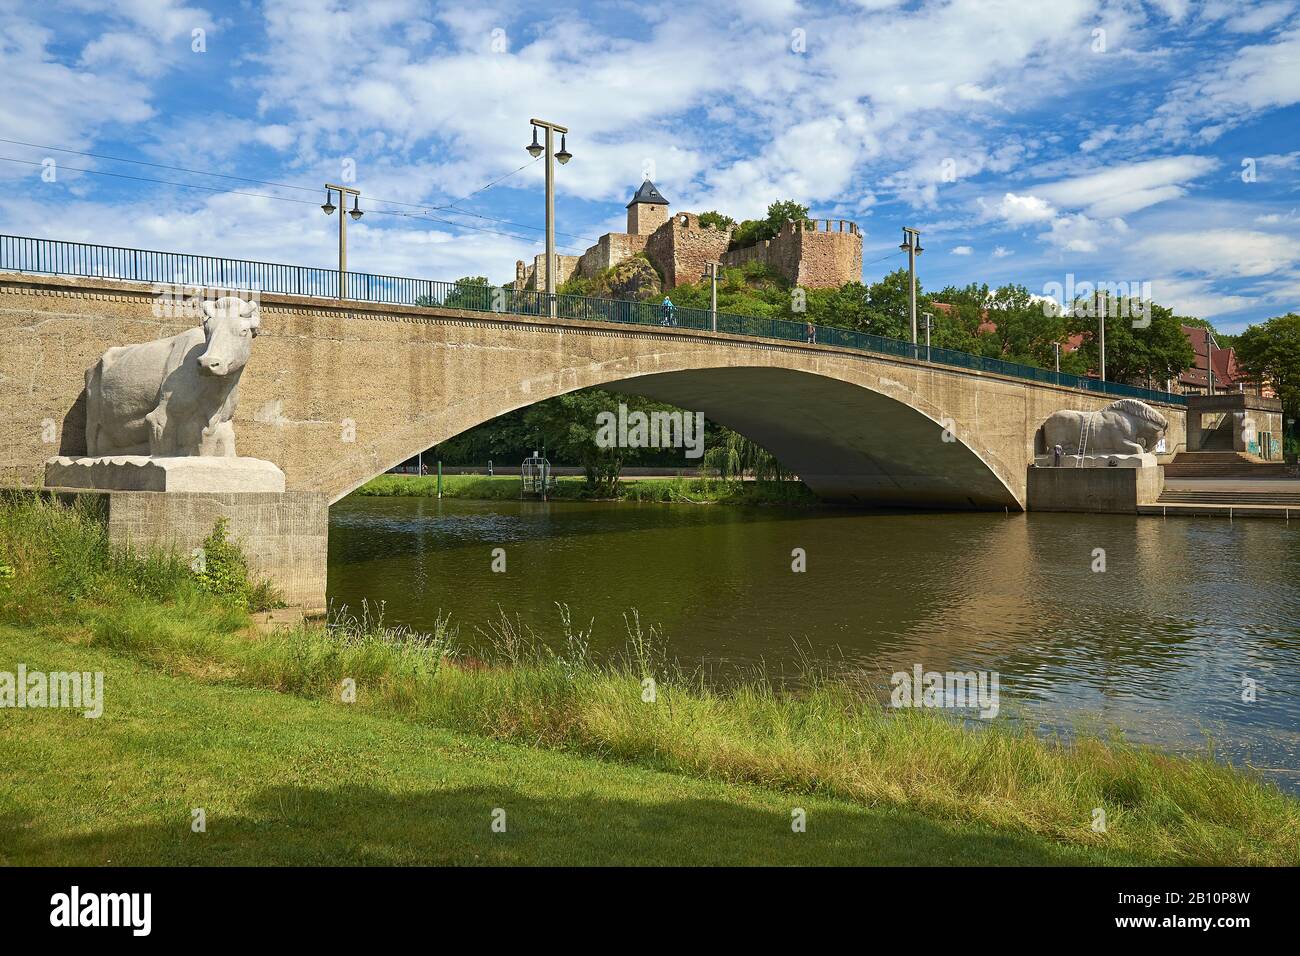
{"x": 572, "y": 488}
{"x": 199, "y": 713}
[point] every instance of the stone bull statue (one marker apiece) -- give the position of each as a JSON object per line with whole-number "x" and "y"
{"x": 1124, "y": 427}
{"x": 175, "y": 396}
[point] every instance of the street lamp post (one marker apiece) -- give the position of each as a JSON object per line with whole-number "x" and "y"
{"x": 1101, "y": 343}
{"x": 929, "y": 324}
{"x": 328, "y": 207}
{"x": 912, "y": 246}
{"x": 1209, "y": 360}
{"x": 711, "y": 273}
{"x": 535, "y": 149}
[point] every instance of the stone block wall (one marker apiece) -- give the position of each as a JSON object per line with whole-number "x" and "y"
{"x": 829, "y": 252}
{"x": 645, "y": 218}
{"x": 534, "y": 276}
{"x": 1093, "y": 490}
{"x": 681, "y": 248}
{"x": 815, "y": 254}
{"x": 283, "y": 535}
{"x": 613, "y": 248}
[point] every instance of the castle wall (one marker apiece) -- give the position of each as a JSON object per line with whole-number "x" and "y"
{"x": 816, "y": 254}
{"x": 681, "y": 248}
{"x": 534, "y": 276}
{"x": 827, "y": 258}
{"x": 609, "y": 251}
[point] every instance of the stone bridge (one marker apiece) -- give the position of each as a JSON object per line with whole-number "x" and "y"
{"x": 336, "y": 393}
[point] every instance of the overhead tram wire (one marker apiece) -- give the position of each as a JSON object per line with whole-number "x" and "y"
{"x": 426, "y": 207}
{"x": 306, "y": 202}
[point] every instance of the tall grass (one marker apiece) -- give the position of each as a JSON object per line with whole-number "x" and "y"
{"x": 546, "y": 690}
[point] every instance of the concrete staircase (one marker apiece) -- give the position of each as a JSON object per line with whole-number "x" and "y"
{"x": 1282, "y": 498}
{"x": 1223, "y": 464}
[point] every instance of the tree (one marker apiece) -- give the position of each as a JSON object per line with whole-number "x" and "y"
{"x": 889, "y": 310}
{"x": 1270, "y": 354}
{"x": 734, "y": 456}
{"x": 716, "y": 219}
{"x": 468, "y": 292}
{"x": 1146, "y": 355}
{"x": 756, "y": 230}
{"x": 1027, "y": 329}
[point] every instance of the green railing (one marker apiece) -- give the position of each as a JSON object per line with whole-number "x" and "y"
{"x": 54, "y": 257}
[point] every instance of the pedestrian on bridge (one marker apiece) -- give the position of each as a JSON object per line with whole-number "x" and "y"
{"x": 668, "y": 309}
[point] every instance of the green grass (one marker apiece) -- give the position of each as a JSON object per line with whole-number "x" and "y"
{"x": 289, "y": 781}
{"x": 949, "y": 793}
{"x": 570, "y": 488}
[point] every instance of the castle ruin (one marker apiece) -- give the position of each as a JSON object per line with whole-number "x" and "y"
{"x": 812, "y": 253}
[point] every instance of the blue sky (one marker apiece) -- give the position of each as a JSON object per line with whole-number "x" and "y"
{"x": 1113, "y": 141}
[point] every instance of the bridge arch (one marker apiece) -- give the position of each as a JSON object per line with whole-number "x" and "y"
{"x": 848, "y": 442}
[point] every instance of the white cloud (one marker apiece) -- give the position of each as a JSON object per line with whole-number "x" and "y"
{"x": 1252, "y": 79}
{"x": 962, "y": 250}
{"x": 1196, "y": 297}
{"x": 1123, "y": 189}
{"x": 1018, "y": 210}
{"x": 1260, "y": 18}
{"x": 1081, "y": 234}
{"x": 1221, "y": 252}
{"x": 1001, "y": 252}
{"x": 973, "y": 93}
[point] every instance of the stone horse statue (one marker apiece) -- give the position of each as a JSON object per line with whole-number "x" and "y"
{"x": 176, "y": 396}
{"x": 1124, "y": 427}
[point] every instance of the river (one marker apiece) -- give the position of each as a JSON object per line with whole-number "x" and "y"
{"x": 1161, "y": 644}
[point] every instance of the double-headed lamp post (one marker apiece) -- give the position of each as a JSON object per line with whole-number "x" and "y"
{"x": 534, "y": 150}
{"x": 912, "y": 246}
{"x": 328, "y": 207}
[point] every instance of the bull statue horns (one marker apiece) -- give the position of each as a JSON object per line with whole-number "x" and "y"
{"x": 230, "y": 304}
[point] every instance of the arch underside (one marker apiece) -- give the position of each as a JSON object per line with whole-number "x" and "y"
{"x": 847, "y": 443}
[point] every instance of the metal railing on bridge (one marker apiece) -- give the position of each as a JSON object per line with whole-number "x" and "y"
{"x": 56, "y": 257}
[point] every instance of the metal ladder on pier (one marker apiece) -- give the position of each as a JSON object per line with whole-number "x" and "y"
{"x": 1085, "y": 428}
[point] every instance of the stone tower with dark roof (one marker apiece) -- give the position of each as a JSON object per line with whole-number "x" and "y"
{"x": 647, "y": 211}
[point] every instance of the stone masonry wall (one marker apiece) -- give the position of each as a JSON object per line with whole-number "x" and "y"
{"x": 681, "y": 248}
{"x": 284, "y": 536}
{"x": 827, "y": 258}
{"x": 612, "y": 249}
{"x": 534, "y": 276}
{"x": 817, "y": 254}
{"x": 645, "y": 218}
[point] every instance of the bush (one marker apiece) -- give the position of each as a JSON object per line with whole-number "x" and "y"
{"x": 222, "y": 571}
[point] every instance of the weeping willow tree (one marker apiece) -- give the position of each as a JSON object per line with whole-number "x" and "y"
{"x": 734, "y": 456}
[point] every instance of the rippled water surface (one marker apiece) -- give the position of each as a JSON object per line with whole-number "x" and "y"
{"x": 1157, "y": 645}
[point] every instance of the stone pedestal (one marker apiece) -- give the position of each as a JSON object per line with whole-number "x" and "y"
{"x": 143, "y": 473}
{"x": 1097, "y": 490}
{"x": 284, "y": 535}
{"x": 1145, "y": 460}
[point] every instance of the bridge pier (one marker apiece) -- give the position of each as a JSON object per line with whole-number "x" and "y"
{"x": 284, "y": 535}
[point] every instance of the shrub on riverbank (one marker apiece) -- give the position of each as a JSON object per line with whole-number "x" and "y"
{"x": 829, "y": 738}
{"x": 568, "y": 488}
